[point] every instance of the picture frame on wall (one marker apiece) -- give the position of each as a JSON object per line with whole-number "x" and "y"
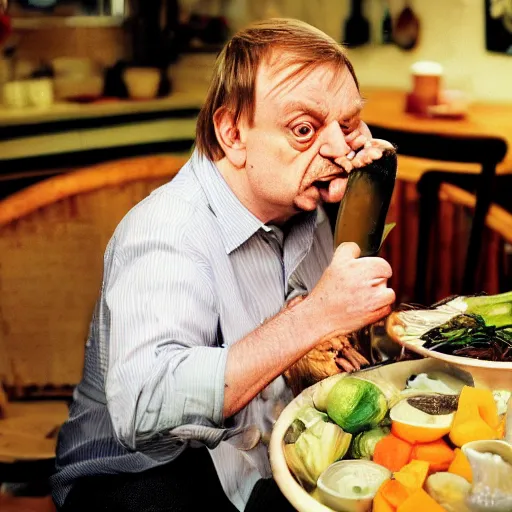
{"x": 498, "y": 26}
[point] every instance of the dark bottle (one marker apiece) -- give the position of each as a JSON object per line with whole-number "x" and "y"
{"x": 357, "y": 27}
{"x": 387, "y": 26}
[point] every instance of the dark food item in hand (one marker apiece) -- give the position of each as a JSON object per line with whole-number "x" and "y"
{"x": 363, "y": 209}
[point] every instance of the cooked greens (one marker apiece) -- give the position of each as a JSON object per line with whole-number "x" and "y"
{"x": 479, "y": 326}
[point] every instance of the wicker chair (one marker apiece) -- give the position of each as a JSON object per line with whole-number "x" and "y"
{"x": 52, "y": 238}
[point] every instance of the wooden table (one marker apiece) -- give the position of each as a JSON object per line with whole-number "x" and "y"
{"x": 386, "y": 108}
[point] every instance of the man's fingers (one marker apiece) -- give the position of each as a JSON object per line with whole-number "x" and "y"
{"x": 379, "y": 267}
{"x": 356, "y": 140}
{"x": 366, "y": 156}
{"x": 344, "y": 163}
{"x": 348, "y": 251}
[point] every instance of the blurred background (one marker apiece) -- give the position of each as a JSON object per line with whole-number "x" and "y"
{"x": 99, "y": 100}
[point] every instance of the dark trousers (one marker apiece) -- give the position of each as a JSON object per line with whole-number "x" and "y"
{"x": 188, "y": 484}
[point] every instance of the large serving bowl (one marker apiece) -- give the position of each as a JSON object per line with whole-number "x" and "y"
{"x": 395, "y": 374}
{"x": 491, "y": 374}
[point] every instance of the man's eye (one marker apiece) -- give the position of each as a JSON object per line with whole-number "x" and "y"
{"x": 304, "y": 131}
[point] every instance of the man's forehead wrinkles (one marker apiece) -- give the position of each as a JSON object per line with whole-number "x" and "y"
{"x": 312, "y": 92}
{"x": 306, "y": 105}
{"x": 279, "y": 79}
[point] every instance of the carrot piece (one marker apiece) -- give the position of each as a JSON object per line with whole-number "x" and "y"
{"x": 438, "y": 454}
{"x": 392, "y": 453}
{"x": 420, "y": 501}
{"x": 380, "y": 504}
{"x": 394, "y": 492}
{"x": 413, "y": 475}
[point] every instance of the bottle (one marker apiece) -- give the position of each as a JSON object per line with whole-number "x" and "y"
{"x": 387, "y": 26}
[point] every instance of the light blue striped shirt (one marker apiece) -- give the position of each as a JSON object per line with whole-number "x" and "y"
{"x": 188, "y": 272}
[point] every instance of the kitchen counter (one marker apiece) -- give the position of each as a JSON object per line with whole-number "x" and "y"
{"x": 105, "y": 108}
{"x": 36, "y": 143}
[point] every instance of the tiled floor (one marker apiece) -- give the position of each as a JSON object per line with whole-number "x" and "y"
{"x": 10, "y": 504}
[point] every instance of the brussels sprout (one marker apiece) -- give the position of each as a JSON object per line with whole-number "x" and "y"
{"x": 363, "y": 444}
{"x": 356, "y": 404}
{"x": 316, "y": 449}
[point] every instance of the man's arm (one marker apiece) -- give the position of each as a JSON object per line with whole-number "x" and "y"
{"x": 352, "y": 293}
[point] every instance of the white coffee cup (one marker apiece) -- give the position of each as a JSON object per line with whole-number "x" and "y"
{"x": 15, "y": 94}
{"x": 40, "y": 92}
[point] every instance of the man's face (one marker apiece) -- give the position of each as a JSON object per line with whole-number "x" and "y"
{"x": 298, "y": 132}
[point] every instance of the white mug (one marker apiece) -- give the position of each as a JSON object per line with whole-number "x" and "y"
{"x": 15, "y": 94}
{"x": 40, "y": 92}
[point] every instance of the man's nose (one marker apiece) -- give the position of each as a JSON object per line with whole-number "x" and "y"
{"x": 333, "y": 144}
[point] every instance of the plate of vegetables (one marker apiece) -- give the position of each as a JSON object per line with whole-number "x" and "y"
{"x": 472, "y": 332}
{"x": 404, "y": 437}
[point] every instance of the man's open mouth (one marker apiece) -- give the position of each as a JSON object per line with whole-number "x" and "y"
{"x": 322, "y": 183}
{"x": 325, "y": 181}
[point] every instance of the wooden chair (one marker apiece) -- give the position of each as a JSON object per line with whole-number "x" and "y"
{"x": 486, "y": 152}
{"x": 52, "y": 238}
{"x": 449, "y": 237}
{"x": 451, "y": 231}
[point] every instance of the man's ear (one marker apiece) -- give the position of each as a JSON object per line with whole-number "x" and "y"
{"x": 230, "y": 136}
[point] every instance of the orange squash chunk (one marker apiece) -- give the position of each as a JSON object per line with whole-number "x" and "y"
{"x": 380, "y": 504}
{"x": 475, "y": 429}
{"x": 394, "y": 492}
{"x": 420, "y": 501}
{"x": 413, "y": 475}
{"x": 484, "y": 401}
{"x": 476, "y": 417}
{"x": 460, "y": 466}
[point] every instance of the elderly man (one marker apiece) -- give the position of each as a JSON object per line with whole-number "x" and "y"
{"x": 189, "y": 340}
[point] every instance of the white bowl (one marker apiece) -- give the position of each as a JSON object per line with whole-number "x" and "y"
{"x": 142, "y": 83}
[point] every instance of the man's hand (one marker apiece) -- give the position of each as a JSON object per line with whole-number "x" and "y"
{"x": 352, "y": 292}
{"x": 365, "y": 149}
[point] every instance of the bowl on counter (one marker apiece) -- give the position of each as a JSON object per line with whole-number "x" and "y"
{"x": 76, "y": 88}
{"x": 142, "y": 83}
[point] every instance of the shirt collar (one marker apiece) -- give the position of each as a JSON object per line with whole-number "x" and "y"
{"x": 236, "y": 222}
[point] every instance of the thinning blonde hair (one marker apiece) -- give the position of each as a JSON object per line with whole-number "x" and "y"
{"x": 234, "y": 76}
